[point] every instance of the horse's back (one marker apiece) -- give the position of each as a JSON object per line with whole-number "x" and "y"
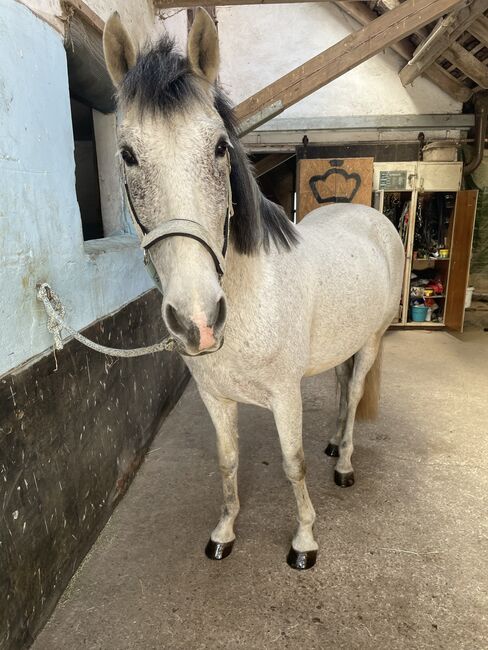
{"x": 349, "y": 232}
{"x": 359, "y": 221}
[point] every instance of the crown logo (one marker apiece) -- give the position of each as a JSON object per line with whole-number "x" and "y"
{"x": 335, "y": 185}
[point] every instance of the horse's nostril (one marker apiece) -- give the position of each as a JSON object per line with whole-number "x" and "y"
{"x": 175, "y": 322}
{"x": 201, "y": 333}
{"x": 220, "y": 315}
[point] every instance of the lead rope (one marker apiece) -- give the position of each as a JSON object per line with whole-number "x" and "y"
{"x": 56, "y": 323}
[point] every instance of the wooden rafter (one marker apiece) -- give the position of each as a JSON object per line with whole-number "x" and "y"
{"x": 441, "y": 38}
{"x": 269, "y": 162}
{"x": 479, "y": 30}
{"x": 364, "y": 15}
{"x": 338, "y": 59}
{"x": 467, "y": 63}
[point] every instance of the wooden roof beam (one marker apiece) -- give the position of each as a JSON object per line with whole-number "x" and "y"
{"x": 270, "y": 162}
{"x": 338, "y": 59}
{"x": 479, "y": 30}
{"x": 447, "y": 31}
{"x": 467, "y": 63}
{"x": 360, "y": 12}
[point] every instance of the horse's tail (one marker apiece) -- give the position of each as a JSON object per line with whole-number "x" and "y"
{"x": 369, "y": 404}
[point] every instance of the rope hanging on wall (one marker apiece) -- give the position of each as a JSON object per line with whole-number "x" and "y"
{"x": 56, "y": 323}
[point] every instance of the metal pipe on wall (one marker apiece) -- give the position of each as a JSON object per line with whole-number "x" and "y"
{"x": 481, "y": 116}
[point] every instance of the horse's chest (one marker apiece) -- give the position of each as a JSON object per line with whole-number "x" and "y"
{"x": 238, "y": 379}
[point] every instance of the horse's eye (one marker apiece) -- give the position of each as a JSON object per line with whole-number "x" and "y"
{"x": 128, "y": 157}
{"x": 221, "y": 148}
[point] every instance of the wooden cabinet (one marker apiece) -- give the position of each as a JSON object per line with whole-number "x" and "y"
{"x": 435, "y": 219}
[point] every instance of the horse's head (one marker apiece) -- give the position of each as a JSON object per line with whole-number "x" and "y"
{"x": 174, "y": 147}
{"x": 181, "y": 152}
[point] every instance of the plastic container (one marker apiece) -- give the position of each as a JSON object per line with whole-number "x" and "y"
{"x": 469, "y": 297}
{"x": 419, "y": 313}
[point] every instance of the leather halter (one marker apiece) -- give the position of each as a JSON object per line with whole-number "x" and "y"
{"x": 182, "y": 228}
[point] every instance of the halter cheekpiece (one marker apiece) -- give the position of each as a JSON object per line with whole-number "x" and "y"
{"x": 182, "y": 228}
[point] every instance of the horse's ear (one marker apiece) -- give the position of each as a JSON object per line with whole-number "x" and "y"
{"x": 118, "y": 48}
{"x": 203, "y": 47}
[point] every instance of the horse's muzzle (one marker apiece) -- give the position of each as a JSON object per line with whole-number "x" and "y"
{"x": 201, "y": 334}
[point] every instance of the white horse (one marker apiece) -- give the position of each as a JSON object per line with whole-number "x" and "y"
{"x": 294, "y": 301}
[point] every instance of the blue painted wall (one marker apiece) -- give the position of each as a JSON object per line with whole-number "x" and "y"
{"x": 40, "y": 227}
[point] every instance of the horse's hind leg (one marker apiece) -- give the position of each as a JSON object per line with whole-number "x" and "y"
{"x": 343, "y": 374}
{"x": 287, "y": 412}
{"x": 224, "y": 416}
{"x": 364, "y": 360}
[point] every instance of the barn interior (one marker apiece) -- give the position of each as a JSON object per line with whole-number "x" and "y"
{"x": 109, "y": 478}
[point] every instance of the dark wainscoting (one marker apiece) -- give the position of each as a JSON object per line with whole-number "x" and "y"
{"x": 71, "y": 439}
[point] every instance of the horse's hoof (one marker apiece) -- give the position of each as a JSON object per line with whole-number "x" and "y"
{"x": 332, "y": 450}
{"x": 218, "y": 550}
{"x": 344, "y": 480}
{"x": 301, "y": 560}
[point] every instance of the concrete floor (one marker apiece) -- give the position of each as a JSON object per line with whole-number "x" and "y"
{"x": 403, "y": 559}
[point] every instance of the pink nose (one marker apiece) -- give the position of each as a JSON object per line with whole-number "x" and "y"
{"x": 207, "y": 339}
{"x": 199, "y": 331}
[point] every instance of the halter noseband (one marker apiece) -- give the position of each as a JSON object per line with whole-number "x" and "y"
{"x": 182, "y": 228}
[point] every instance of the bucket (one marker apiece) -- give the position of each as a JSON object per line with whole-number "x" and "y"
{"x": 419, "y": 313}
{"x": 469, "y": 297}
{"x": 440, "y": 151}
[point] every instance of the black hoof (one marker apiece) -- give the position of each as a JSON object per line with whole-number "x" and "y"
{"x": 301, "y": 560}
{"x": 344, "y": 480}
{"x": 332, "y": 450}
{"x": 218, "y": 550}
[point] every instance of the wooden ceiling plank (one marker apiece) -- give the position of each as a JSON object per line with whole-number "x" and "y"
{"x": 446, "y": 32}
{"x": 467, "y": 63}
{"x": 448, "y": 83}
{"x": 338, "y": 59}
{"x": 479, "y": 29}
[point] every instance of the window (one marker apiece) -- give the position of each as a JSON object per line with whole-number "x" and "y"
{"x": 99, "y": 187}
{"x": 86, "y": 168}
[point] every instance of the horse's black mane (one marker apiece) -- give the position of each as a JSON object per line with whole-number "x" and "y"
{"x": 162, "y": 81}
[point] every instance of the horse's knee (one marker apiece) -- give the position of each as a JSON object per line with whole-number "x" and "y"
{"x": 295, "y": 468}
{"x": 228, "y": 469}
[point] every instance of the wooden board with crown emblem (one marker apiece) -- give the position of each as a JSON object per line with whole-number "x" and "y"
{"x": 322, "y": 181}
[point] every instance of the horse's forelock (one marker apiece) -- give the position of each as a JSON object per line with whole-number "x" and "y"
{"x": 162, "y": 81}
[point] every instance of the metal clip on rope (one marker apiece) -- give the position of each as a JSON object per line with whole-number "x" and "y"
{"x": 56, "y": 323}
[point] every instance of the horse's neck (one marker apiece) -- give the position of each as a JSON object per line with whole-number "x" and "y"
{"x": 243, "y": 275}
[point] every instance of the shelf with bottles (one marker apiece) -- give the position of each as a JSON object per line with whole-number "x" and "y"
{"x": 430, "y": 256}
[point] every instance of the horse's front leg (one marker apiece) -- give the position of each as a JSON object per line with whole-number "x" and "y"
{"x": 224, "y": 416}
{"x": 287, "y": 412}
